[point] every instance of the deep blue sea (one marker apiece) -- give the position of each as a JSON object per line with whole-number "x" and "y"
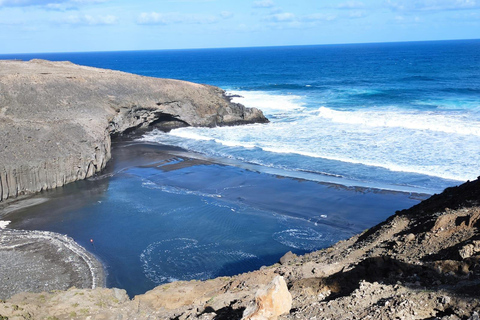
{"x": 392, "y": 116}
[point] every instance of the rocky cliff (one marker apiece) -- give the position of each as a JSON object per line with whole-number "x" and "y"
{"x": 57, "y": 118}
{"x": 421, "y": 263}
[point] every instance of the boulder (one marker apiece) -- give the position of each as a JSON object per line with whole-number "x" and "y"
{"x": 270, "y": 302}
{"x": 287, "y": 258}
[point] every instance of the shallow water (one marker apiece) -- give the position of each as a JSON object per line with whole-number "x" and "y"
{"x": 159, "y": 214}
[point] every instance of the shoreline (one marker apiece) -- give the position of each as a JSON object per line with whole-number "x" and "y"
{"x": 336, "y": 182}
{"x": 38, "y": 261}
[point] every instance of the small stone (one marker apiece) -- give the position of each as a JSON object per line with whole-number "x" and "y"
{"x": 467, "y": 251}
{"x": 410, "y": 237}
{"x": 445, "y": 300}
{"x": 287, "y": 258}
{"x": 208, "y": 316}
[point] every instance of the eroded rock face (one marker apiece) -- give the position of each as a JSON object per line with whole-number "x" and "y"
{"x": 56, "y": 118}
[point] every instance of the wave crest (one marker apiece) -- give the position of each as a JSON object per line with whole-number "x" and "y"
{"x": 414, "y": 120}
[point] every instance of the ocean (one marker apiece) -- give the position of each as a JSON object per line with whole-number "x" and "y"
{"x": 402, "y": 116}
{"x": 396, "y": 119}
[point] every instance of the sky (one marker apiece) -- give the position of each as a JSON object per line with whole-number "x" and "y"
{"x": 33, "y": 26}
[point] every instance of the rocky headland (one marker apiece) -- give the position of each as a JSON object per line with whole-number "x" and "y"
{"x": 57, "y": 118}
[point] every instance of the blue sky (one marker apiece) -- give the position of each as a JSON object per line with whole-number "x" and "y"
{"x": 103, "y": 25}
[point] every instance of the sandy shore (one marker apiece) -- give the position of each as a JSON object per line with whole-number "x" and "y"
{"x": 38, "y": 261}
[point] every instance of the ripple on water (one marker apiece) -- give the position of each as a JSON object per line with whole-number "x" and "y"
{"x": 188, "y": 259}
{"x": 303, "y": 239}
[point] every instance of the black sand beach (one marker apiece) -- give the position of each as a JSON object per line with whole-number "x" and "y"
{"x": 38, "y": 261}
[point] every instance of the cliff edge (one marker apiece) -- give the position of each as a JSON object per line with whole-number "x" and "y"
{"x": 57, "y": 118}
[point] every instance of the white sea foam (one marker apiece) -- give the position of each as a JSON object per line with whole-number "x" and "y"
{"x": 415, "y": 120}
{"x": 268, "y": 102}
{"x": 303, "y": 239}
{"x": 4, "y": 224}
{"x": 177, "y": 190}
{"x": 187, "y": 259}
{"x": 438, "y": 144}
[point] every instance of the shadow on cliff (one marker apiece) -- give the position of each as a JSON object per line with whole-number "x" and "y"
{"x": 466, "y": 195}
{"x": 225, "y": 313}
{"x": 391, "y": 271}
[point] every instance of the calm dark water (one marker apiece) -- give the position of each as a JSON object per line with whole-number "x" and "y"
{"x": 157, "y": 217}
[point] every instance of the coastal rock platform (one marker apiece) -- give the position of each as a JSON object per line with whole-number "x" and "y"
{"x": 57, "y": 118}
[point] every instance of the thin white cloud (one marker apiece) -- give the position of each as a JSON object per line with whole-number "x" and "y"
{"x": 282, "y": 17}
{"x": 226, "y": 14}
{"x": 158, "y": 18}
{"x": 319, "y": 17}
{"x": 88, "y": 1}
{"x": 248, "y": 28}
{"x": 351, "y": 5}
{"x": 356, "y": 14}
{"x": 49, "y": 4}
{"x": 291, "y": 20}
{"x": 263, "y": 4}
{"x": 432, "y": 5}
{"x": 25, "y": 3}
{"x": 467, "y": 16}
{"x": 407, "y": 20}
{"x": 89, "y": 20}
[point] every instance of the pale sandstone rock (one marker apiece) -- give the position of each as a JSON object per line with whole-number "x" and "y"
{"x": 410, "y": 237}
{"x": 287, "y": 258}
{"x": 467, "y": 251}
{"x": 270, "y": 302}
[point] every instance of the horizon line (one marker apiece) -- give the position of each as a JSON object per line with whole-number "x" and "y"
{"x": 241, "y": 47}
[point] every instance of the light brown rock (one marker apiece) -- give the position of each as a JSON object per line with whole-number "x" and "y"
{"x": 287, "y": 258}
{"x": 270, "y": 302}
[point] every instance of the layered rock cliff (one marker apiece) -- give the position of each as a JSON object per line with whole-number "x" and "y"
{"x": 57, "y": 118}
